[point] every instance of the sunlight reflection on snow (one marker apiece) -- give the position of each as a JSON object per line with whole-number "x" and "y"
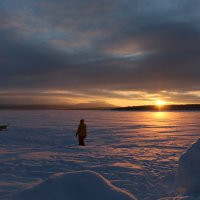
{"x": 137, "y": 151}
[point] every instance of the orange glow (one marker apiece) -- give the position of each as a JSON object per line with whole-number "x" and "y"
{"x": 160, "y": 103}
{"x": 160, "y": 115}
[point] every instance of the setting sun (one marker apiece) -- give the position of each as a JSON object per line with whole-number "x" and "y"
{"x": 160, "y": 103}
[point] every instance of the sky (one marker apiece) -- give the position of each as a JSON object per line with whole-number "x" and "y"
{"x": 119, "y": 52}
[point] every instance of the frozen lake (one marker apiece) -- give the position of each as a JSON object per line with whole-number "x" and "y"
{"x": 136, "y": 151}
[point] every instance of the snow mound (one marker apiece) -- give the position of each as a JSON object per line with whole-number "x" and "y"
{"x": 83, "y": 185}
{"x": 189, "y": 168}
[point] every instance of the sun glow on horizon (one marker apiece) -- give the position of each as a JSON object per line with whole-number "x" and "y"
{"x": 160, "y": 103}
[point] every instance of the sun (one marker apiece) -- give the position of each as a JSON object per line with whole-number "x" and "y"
{"x": 160, "y": 103}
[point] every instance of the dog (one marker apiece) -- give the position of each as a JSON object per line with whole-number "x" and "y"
{"x": 4, "y": 127}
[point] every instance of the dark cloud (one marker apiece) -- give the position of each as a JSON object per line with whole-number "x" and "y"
{"x": 93, "y": 46}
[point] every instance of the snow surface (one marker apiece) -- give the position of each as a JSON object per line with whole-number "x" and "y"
{"x": 189, "y": 168}
{"x": 135, "y": 151}
{"x": 74, "y": 186}
{"x": 180, "y": 198}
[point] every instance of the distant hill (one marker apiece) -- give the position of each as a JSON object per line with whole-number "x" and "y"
{"x": 82, "y": 106}
{"x": 96, "y": 105}
{"x": 186, "y": 107}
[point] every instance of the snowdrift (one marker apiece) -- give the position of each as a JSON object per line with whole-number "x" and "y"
{"x": 84, "y": 185}
{"x": 189, "y": 168}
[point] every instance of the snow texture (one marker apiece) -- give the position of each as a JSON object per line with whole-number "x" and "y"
{"x": 136, "y": 151}
{"x": 85, "y": 185}
{"x": 189, "y": 168}
{"x": 180, "y": 198}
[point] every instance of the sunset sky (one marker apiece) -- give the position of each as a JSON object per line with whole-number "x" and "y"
{"x": 120, "y": 52}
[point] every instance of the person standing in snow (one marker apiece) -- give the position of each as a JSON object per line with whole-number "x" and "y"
{"x": 81, "y": 132}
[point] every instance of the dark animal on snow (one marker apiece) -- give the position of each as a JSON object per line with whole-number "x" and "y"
{"x": 3, "y": 127}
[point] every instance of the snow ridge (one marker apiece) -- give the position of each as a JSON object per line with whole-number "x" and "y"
{"x": 189, "y": 168}
{"x": 82, "y": 185}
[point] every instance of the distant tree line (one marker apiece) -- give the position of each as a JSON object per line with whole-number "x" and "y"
{"x": 187, "y": 107}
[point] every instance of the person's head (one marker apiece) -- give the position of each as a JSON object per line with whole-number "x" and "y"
{"x": 82, "y": 121}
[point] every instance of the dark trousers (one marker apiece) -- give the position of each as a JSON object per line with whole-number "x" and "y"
{"x": 81, "y": 140}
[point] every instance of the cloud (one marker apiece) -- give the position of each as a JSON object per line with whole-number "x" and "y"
{"x": 90, "y": 47}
